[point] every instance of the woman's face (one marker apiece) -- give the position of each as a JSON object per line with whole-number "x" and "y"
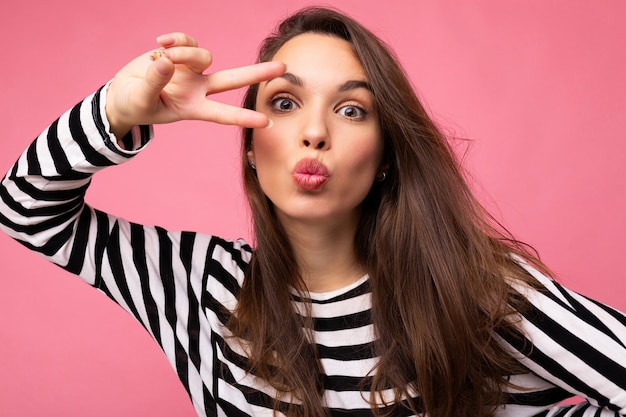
{"x": 321, "y": 156}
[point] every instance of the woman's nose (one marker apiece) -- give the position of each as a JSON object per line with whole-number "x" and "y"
{"x": 314, "y": 143}
{"x": 315, "y": 133}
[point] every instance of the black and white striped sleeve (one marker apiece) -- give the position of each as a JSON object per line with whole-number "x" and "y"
{"x": 576, "y": 344}
{"x": 158, "y": 276}
{"x": 42, "y": 196}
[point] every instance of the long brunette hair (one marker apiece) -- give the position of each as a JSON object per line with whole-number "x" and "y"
{"x": 439, "y": 266}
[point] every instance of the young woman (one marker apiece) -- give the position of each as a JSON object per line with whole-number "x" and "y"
{"x": 376, "y": 284}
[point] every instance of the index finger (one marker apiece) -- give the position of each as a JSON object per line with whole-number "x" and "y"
{"x": 234, "y": 78}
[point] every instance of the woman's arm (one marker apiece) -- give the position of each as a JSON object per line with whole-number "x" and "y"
{"x": 577, "y": 345}
{"x": 156, "y": 275}
{"x": 42, "y": 195}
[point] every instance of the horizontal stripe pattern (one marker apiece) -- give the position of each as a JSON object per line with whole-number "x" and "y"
{"x": 182, "y": 287}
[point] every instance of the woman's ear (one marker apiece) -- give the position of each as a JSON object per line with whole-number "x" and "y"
{"x": 251, "y": 160}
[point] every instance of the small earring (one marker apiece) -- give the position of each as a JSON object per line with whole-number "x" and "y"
{"x": 382, "y": 177}
{"x": 252, "y": 165}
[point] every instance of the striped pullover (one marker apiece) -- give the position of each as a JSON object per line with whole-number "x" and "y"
{"x": 181, "y": 286}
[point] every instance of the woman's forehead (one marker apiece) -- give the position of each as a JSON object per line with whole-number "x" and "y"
{"x": 311, "y": 56}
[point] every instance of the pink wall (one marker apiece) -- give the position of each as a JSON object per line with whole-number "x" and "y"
{"x": 537, "y": 86}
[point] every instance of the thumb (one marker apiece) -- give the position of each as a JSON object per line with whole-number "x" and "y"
{"x": 158, "y": 74}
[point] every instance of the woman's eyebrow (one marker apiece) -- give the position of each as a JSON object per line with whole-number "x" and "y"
{"x": 291, "y": 78}
{"x": 354, "y": 84}
{"x": 348, "y": 85}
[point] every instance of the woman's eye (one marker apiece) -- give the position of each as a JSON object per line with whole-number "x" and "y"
{"x": 283, "y": 104}
{"x": 352, "y": 112}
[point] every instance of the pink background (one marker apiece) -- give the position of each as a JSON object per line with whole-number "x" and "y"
{"x": 537, "y": 86}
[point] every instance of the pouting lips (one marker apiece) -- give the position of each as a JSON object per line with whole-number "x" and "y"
{"x": 310, "y": 174}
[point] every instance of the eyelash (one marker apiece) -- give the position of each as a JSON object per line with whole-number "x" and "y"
{"x": 275, "y": 101}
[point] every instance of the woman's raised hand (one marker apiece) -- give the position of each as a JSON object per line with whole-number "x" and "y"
{"x": 168, "y": 85}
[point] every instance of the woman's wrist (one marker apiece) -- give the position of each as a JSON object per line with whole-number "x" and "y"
{"x": 117, "y": 128}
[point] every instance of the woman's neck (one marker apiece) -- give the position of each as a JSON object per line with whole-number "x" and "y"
{"x": 325, "y": 252}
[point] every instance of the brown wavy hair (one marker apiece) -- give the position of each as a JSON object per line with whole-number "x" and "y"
{"x": 438, "y": 264}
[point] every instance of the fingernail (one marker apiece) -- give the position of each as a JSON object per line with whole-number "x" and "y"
{"x": 165, "y": 40}
{"x": 270, "y": 124}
